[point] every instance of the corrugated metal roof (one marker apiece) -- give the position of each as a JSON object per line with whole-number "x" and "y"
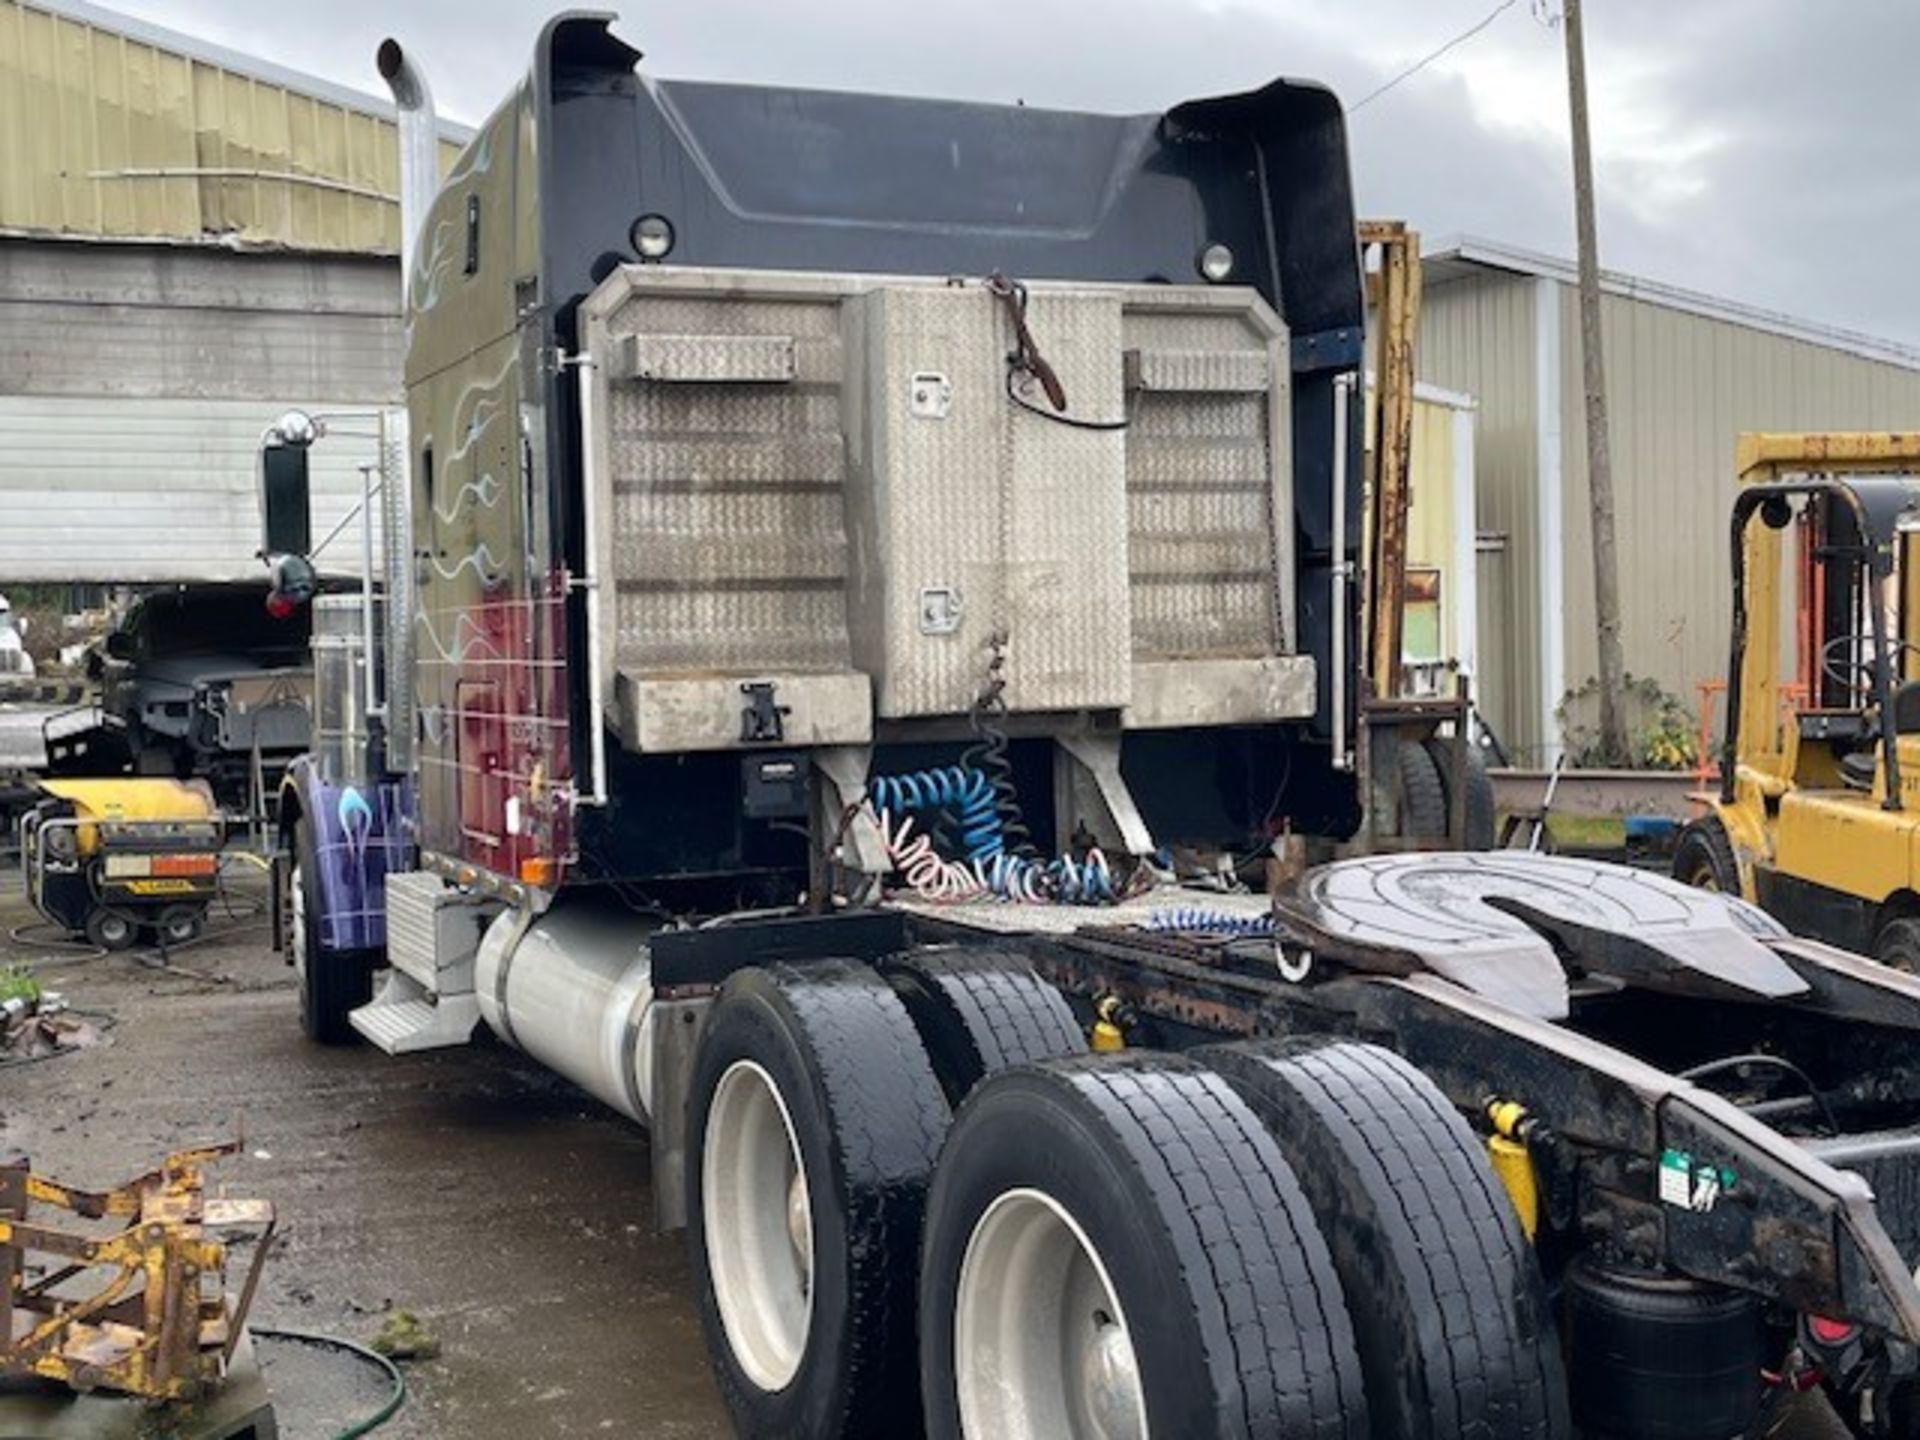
{"x": 113, "y": 128}
{"x": 1462, "y": 255}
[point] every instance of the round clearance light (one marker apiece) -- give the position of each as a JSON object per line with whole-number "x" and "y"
{"x": 652, "y": 237}
{"x": 1216, "y": 263}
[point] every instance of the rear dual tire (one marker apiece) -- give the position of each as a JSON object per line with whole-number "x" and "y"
{"x": 1108, "y": 1247}
{"x": 819, "y": 1099}
{"x": 1451, "y": 1318}
{"x": 814, "y": 1120}
{"x": 1116, "y": 1249}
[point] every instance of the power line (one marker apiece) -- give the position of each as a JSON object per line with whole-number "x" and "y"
{"x": 1421, "y": 64}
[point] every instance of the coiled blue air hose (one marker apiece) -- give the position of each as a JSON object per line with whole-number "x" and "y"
{"x": 966, "y": 793}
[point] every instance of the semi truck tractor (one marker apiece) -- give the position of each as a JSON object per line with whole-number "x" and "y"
{"x": 866, "y": 633}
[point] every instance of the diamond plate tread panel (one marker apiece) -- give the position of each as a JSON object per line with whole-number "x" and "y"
{"x": 1201, "y": 416}
{"x": 399, "y": 1027}
{"x": 1016, "y": 515}
{"x": 728, "y": 542}
{"x": 390, "y": 1025}
{"x": 762, "y": 555}
{"x": 693, "y": 537}
{"x": 1184, "y": 462}
{"x": 722, "y": 413}
{"x": 413, "y": 897}
{"x": 759, "y": 524}
{"x": 759, "y": 359}
{"x": 1201, "y": 548}
{"x": 1167, "y": 625}
{"x": 745, "y": 629}
{"x": 1198, "y": 370}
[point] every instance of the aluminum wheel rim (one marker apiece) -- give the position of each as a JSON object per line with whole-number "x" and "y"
{"x": 758, "y": 1218}
{"x": 1041, "y": 1346}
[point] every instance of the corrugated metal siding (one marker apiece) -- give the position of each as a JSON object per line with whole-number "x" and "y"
{"x": 135, "y": 382}
{"x": 1681, "y": 388}
{"x": 82, "y": 106}
{"x": 161, "y": 321}
{"x": 1477, "y": 337}
{"x": 153, "y": 490}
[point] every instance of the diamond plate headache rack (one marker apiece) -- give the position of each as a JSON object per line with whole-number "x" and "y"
{"x": 142, "y": 1308}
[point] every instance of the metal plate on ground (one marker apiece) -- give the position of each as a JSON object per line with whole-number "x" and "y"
{"x": 1499, "y": 923}
{"x": 241, "y": 1409}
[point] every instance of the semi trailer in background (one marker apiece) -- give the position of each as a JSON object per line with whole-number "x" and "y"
{"x": 868, "y": 632}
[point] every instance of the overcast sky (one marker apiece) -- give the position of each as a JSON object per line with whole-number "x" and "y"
{"x": 1760, "y": 150}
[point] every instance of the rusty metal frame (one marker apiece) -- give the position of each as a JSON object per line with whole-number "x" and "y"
{"x": 1804, "y": 1234}
{"x": 1394, "y": 290}
{"x": 154, "y": 1319}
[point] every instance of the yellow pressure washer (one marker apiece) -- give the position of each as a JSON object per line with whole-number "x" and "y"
{"x": 119, "y": 860}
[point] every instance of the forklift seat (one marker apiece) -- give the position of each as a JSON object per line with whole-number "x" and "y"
{"x": 1857, "y": 768}
{"x": 1906, "y": 708}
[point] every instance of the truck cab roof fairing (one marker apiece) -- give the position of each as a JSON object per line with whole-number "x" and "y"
{"x": 772, "y": 178}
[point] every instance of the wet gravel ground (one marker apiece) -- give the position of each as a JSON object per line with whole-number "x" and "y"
{"x": 509, "y": 1212}
{"x": 505, "y": 1209}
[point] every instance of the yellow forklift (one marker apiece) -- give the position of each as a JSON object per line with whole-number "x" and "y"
{"x": 1817, "y": 817}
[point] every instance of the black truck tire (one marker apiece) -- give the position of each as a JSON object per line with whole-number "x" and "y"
{"x": 813, "y": 1121}
{"x": 1449, "y": 1310}
{"x": 1423, "y": 795}
{"x": 333, "y": 983}
{"x": 1898, "y": 944}
{"x": 979, "y": 1012}
{"x": 1703, "y": 857}
{"x": 1116, "y": 1246}
{"x": 1479, "y": 834}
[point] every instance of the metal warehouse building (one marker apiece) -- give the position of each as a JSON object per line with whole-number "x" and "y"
{"x": 191, "y": 241}
{"x": 1686, "y": 373}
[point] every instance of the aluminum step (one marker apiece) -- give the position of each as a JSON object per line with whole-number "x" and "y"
{"x": 402, "y": 1019}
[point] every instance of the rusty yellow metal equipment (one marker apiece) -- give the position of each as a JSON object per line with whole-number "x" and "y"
{"x": 142, "y": 1308}
{"x": 1394, "y": 298}
{"x": 1423, "y": 787}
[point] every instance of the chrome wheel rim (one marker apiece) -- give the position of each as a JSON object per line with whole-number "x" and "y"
{"x": 758, "y": 1219}
{"x": 1042, "y": 1350}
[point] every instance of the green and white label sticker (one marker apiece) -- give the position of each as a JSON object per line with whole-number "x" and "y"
{"x": 1692, "y": 1185}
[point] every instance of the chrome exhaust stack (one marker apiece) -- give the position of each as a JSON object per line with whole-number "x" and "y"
{"x": 419, "y": 146}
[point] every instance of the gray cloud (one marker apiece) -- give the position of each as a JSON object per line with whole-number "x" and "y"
{"x": 1756, "y": 149}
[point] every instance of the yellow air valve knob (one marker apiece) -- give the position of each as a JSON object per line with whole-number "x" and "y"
{"x": 1107, "y": 1036}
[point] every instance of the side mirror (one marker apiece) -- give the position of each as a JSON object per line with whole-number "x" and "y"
{"x": 119, "y": 644}
{"x": 286, "y": 510}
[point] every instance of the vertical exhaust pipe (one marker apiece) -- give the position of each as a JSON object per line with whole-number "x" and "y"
{"x": 419, "y": 147}
{"x": 419, "y": 183}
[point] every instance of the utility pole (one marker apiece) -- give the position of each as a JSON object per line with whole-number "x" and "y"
{"x": 1606, "y": 563}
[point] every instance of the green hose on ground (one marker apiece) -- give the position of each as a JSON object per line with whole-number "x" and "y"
{"x": 373, "y": 1357}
